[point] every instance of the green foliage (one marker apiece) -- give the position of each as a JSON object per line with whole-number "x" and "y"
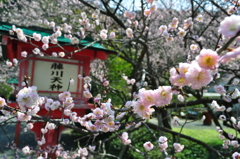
{"x": 138, "y": 138}
{"x": 191, "y": 149}
{"x": 5, "y": 90}
{"x": 117, "y": 67}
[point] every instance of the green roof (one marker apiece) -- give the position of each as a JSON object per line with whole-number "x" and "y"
{"x": 13, "y": 81}
{"x": 46, "y": 32}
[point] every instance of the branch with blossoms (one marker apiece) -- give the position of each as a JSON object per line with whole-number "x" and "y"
{"x": 137, "y": 35}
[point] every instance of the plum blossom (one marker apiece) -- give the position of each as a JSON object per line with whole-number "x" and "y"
{"x": 92, "y": 148}
{"x": 87, "y": 94}
{"x": 230, "y": 26}
{"x": 2, "y": 102}
{"x": 51, "y": 126}
{"x": 87, "y": 79}
{"x": 148, "y": 146}
{"x": 29, "y": 126}
{"x": 235, "y": 93}
{"x": 9, "y": 64}
{"x": 235, "y": 81}
{"x": 193, "y": 47}
{"x": 143, "y": 111}
{"x": 208, "y": 59}
{"x": 178, "y": 147}
{"x": 153, "y": 8}
{"x": 230, "y": 56}
{"x": 222, "y": 117}
{"x": 181, "y": 32}
{"x": 24, "y": 54}
{"x": 125, "y": 139}
{"x": 163, "y": 143}
{"x": 236, "y": 155}
{"x": 147, "y": 12}
{"x": 28, "y": 97}
{"x": 44, "y": 130}
{"x": 26, "y": 150}
{"x": 219, "y": 89}
{"x": 37, "y": 37}
{"x": 180, "y": 98}
{"x": 162, "y": 28}
{"x": 199, "y": 18}
{"x": 71, "y": 82}
{"x": 198, "y": 76}
{"x": 234, "y": 143}
{"x": 23, "y": 117}
{"x": 36, "y": 51}
{"x": 229, "y": 109}
{"x": 175, "y": 121}
{"x": 163, "y": 95}
{"x": 61, "y": 54}
{"x": 129, "y": 32}
{"x": 112, "y": 35}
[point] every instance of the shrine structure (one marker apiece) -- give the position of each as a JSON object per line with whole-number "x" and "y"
{"x": 51, "y": 75}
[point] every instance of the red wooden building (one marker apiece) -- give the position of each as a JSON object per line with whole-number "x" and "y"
{"x": 51, "y": 75}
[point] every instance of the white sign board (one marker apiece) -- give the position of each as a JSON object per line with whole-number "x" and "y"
{"x": 55, "y": 76}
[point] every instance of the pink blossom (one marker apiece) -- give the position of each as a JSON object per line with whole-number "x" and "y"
{"x": 181, "y": 32}
{"x": 44, "y": 130}
{"x": 219, "y": 89}
{"x": 178, "y": 147}
{"x": 26, "y": 150}
{"x": 51, "y": 126}
{"x": 208, "y": 59}
{"x": 150, "y": 1}
{"x": 198, "y": 77}
{"x": 148, "y": 146}
{"x": 15, "y": 61}
{"x": 23, "y": 117}
{"x": 71, "y": 82}
{"x": 9, "y": 64}
{"x": 234, "y": 143}
{"x": 162, "y": 28}
{"x": 179, "y": 80}
{"x": 153, "y": 8}
{"x": 163, "y": 96}
{"x": 193, "y": 47}
{"x": 112, "y": 35}
{"x": 2, "y": 102}
{"x": 230, "y": 26}
{"x": 236, "y": 155}
{"x": 147, "y": 97}
{"x": 92, "y": 148}
{"x": 129, "y": 32}
{"x": 105, "y": 128}
{"x": 162, "y": 139}
{"x": 147, "y": 12}
{"x": 125, "y": 139}
{"x": 199, "y": 18}
{"x": 163, "y": 146}
{"x": 87, "y": 79}
{"x": 180, "y": 98}
{"x": 230, "y": 56}
{"x": 105, "y": 83}
{"x": 61, "y": 54}
{"x": 143, "y": 111}
{"x": 222, "y": 117}
{"x": 98, "y": 112}
{"x": 63, "y": 96}
{"x": 24, "y": 54}
{"x": 29, "y": 126}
